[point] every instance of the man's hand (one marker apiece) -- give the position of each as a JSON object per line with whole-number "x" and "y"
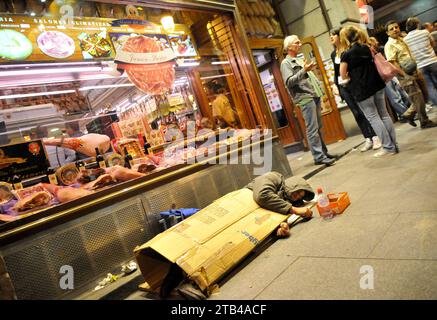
{"x": 303, "y": 212}
{"x": 309, "y": 65}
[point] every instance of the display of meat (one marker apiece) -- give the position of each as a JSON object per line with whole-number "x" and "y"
{"x": 87, "y": 176}
{"x": 154, "y": 78}
{"x": 65, "y": 194}
{"x": 26, "y": 192}
{"x": 34, "y": 200}
{"x": 123, "y": 174}
{"x": 102, "y": 181}
{"x": 85, "y": 144}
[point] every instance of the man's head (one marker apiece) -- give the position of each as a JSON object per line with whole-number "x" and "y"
{"x": 298, "y": 190}
{"x": 292, "y": 45}
{"x": 435, "y": 24}
{"x": 412, "y": 24}
{"x": 72, "y": 127}
{"x": 393, "y": 30}
{"x": 428, "y": 26}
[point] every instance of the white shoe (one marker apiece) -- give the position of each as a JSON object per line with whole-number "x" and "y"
{"x": 367, "y": 145}
{"x": 376, "y": 143}
{"x": 383, "y": 153}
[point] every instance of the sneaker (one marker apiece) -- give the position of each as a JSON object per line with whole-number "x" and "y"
{"x": 428, "y": 107}
{"x": 383, "y": 153}
{"x": 327, "y": 161}
{"x": 410, "y": 119}
{"x": 332, "y": 156}
{"x": 376, "y": 143}
{"x": 428, "y": 124}
{"x": 367, "y": 145}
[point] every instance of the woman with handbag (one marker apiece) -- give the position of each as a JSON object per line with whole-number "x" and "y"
{"x": 366, "y": 85}
{"x": 372, "y": 140}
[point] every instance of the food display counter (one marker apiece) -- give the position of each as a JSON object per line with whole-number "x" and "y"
{"x": 109, "y": 114}
{"x": 97, "y": 234}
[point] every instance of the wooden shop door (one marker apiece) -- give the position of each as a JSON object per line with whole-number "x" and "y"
{"x": 333, "y": 129}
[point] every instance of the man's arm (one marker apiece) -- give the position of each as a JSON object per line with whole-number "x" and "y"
{"x": 265, "y": 194}
{"x": 291, "y": 75}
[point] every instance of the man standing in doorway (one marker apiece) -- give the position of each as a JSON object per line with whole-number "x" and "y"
{"x": 305, "y": 89}
{"x": 399, "y": 54}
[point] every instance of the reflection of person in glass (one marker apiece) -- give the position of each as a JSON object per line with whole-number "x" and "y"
{"x": 222, "y": 112}
{"x": 306, "y": 91}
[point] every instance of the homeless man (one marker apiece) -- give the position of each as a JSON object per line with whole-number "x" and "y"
{"x": 272, "y": 192}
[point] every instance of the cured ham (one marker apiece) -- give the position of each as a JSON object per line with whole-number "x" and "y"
{"x": 65, "y": 194}
{"x": 102, "y": 181}
{"x": 85, "y": 144}
{"x": 35, "y": 200}
{"x": 157, "y": 75}
{"x": 123, "y": 174}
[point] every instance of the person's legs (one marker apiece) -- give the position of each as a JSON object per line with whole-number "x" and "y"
{"x": 359, "y": 116}
{"x": 395, "y": 98}
{"x": 430, "y": 75}
{"x": 411, "y": 87}
{"x": 385, "y": 117}
{"x": 370, "y": 110}
{"x": 309, "y": 113}
{"x": 318, "y": 103}
{"x": 422, "y": 85}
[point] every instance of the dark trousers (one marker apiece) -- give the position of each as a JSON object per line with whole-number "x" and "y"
{"x": 359, "y": 116}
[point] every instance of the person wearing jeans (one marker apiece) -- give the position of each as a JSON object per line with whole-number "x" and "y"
{"x": 306, "y": 91}
{"x": 372, "y": 140}
{"x": 367, "y": 86}
{"x": 375, "y": 111}
{"x": 420, "y": 44}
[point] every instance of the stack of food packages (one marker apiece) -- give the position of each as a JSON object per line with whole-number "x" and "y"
{"x": 258, "y": 18}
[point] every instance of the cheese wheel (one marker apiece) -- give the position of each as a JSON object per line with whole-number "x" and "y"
{"x": 259, "y": 7}
{"x": 270, "y": 8}
{"x": 248, "y": 8}
{"x": 255, "y": 8}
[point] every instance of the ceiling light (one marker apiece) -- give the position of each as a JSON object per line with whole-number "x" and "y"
{"x": 51, "y": 71}
{"x": 189, "y": 64}
{"x": 107, "y": 86}
{"x": 219, "y": 62}
{"x": 167, "y": 23}
{"x": 36, "y": 94}
{"x": 54, "y": 129}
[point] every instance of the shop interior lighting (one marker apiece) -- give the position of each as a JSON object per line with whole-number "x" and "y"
{"x": 218, "y": 76}
{"x": 167, "y": 23}
{"x": 54, "y": 129}
{"x": 219, "y": 62}
{"x": 107, "y": 86}
{"x": 189, "y": 64}
{"x": 52, "y": 71}
{"x": 36, "y": 94}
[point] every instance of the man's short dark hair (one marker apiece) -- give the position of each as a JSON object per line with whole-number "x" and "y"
{"x": 412, "y": 24}
{"x": 335, "y": 31}
{"x": 388, "y": 24}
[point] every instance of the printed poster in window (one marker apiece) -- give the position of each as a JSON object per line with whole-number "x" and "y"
{"x": 273, "y": 97}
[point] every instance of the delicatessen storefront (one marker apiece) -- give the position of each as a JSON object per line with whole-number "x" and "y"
{"x": 110, "y": 113}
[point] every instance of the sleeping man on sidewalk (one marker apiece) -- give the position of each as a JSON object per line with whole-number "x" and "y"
{"x": 272, "y": 192}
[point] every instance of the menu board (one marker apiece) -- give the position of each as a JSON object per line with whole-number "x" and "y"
{"x": 27, "y": 159}
{"x": 41, "y": 39}
{"x": 27, "y": 39}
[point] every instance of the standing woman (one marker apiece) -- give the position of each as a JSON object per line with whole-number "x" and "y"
{"x": 372, "y": 140}
{"x": 366, "y": 85}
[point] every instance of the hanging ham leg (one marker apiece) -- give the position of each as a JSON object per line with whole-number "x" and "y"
{"x": 85, "y": 144}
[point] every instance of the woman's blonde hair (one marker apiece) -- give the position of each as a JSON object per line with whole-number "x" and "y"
{"x": 351, "y": 35}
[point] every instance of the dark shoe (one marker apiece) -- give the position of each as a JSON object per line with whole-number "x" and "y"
{"x": 327, "y": 161}
{"x": 410, "y": 120}
{"x": 428, "y": 124}
{"x": 332, "y": 156}
{"x": 190, "y": 292}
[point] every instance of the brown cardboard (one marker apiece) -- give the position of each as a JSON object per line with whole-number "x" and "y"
{"x": 209, "y": 243}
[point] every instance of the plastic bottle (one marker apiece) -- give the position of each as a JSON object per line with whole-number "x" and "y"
{"x": 323, "y": 205}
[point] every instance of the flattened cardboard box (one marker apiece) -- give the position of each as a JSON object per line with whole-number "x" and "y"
{"x": 209, "y": 243}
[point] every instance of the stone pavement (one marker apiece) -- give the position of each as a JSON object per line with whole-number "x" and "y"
{"x": 389, "y": 229}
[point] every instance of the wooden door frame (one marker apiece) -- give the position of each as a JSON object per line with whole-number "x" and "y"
{"x": 277, "y": 46}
